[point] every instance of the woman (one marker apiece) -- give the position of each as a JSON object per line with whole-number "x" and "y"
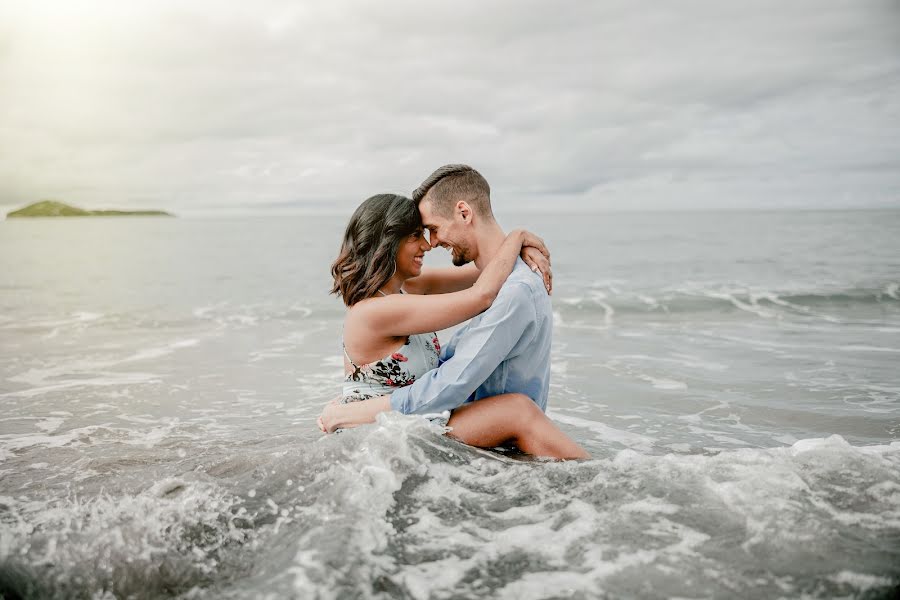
{"x": 393, "y": 311}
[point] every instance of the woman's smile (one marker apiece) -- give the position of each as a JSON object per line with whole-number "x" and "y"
{"x": 411, "y": 254}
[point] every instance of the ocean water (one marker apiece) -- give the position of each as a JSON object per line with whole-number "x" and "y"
{"x": 734, "y": 375}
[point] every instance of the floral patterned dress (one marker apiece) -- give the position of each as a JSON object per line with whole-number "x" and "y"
{"x": 412, "y": 360}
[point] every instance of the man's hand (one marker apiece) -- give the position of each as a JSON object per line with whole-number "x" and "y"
{"x": 539, "y": 264}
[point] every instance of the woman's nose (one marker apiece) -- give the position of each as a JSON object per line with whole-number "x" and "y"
{"x": 425, "y": 245}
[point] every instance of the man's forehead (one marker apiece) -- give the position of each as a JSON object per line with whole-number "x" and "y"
{"x": 429, "y": 217}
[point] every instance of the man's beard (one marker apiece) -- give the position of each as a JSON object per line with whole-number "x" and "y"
{"x": 460, "y": 256}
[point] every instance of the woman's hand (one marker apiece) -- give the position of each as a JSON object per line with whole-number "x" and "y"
{"x": 531, "y": 240}
{"x": 536, "y": 256}
{"x": 540, "y": 264}
{"x": 352, "y": 414}
{"x": 327, "y": 420}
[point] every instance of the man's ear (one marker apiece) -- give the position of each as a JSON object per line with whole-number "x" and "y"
{"x": 464, "y": 210}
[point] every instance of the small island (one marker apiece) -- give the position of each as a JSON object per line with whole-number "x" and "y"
{"x": 52, "y": 208}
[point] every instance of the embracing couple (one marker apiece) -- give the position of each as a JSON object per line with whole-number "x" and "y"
{"x": 493, "y": 377}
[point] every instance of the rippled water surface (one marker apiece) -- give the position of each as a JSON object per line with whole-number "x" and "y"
{"x": 734, "y": 375}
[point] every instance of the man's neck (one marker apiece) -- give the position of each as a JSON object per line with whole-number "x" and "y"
{"x": 490, "y": 238}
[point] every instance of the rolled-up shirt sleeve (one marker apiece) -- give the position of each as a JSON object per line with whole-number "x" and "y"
{"x": 478, "y": 352}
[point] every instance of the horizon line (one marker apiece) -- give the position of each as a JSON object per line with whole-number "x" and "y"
{"x": 243, "y": 213}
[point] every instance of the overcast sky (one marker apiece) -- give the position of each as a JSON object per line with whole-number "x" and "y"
{"x": 275, "y": 107}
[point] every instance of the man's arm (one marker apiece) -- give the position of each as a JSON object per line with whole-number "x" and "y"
{"x": 479, "y": 351}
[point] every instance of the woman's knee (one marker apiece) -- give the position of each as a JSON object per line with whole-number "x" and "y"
{"x": 524, "y": 408}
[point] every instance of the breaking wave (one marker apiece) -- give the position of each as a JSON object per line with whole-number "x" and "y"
{"x": 833, "y": 306}
{"x": 397, "y": 510}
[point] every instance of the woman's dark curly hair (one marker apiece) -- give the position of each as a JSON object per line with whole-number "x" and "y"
{"x": 368, "y": 256}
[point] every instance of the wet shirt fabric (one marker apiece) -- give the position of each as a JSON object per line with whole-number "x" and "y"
{"x": 401, "y": 368}
{"x": 504, "y": 349}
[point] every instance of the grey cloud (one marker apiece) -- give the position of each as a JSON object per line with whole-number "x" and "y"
{"x": 574, "y": 106}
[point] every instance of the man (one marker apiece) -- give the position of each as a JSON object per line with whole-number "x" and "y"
{"x": 507, "y": 347}
{"x": 503, "y": 350}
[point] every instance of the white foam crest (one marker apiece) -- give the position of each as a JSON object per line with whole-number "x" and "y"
{"x": 599, "y": 297}
{"x": 35, "y": 376}
{"x": 479, "y": 556}
{"x": 513, "y": 529}
{"x": 87, "y": 316}
{"x": 305, "y": 311}
{"x": 141, "y": 419}
{"x": 774, "y": 489}
{"x": 78, "y": 318}
{"x": 605, "y": 432}
{"x": 663, "y": 383}
{"x": 557, "y": 319}
{"x": 60, "y": 376}
{"x": 775, "y": 299}
{"x": 203, "y": 312}
{"x": 213, "y": 312}
{"x": 104, "y": 379}
{"x": 861, "y": 581}
{"x": 714, "y": 435}
{"x": 363, "y": 487}
{"x": 684, "y": 541}
{"x": 226, "y": 315}
{"x": 608, "y": 313}
{"x": 752, "y": 306}
{"x": 284, "y": 346}
{"x": 336, "y": 362}
{"x": 775, "y": 347}
{"x": 610, "y": 284}
{"x": 678, "y": 359}
{"x": 97, "y": 434}
{"x": 375, "y": 496}
{"x": 50, "y": 424}
{"x": 748, "y": 299}
{"x": 148, "y": 438}
{"x": 617, "y": 365}
{"x": 138, "y": 537}
{"x": 157, "y": 352}
{"x": 650, "y": 506}
{"x": 647, "y": 299}
{"x": 892, "y": 290}
{"x": 14, "y": 442}
{"x": 866, "y": 348}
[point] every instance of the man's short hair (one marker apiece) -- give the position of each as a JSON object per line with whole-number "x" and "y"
{"x": 450, "y": 184}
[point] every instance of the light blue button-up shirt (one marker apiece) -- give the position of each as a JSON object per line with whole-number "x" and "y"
{"x": 504, "y": 349}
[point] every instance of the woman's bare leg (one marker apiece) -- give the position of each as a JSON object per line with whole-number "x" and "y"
{"x": 490, "y": 422}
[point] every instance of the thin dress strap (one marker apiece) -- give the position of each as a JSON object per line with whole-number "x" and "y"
{"x": 355, "y": 366}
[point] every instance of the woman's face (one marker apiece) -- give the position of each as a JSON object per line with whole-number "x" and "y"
{"x": 411, "y": 253}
